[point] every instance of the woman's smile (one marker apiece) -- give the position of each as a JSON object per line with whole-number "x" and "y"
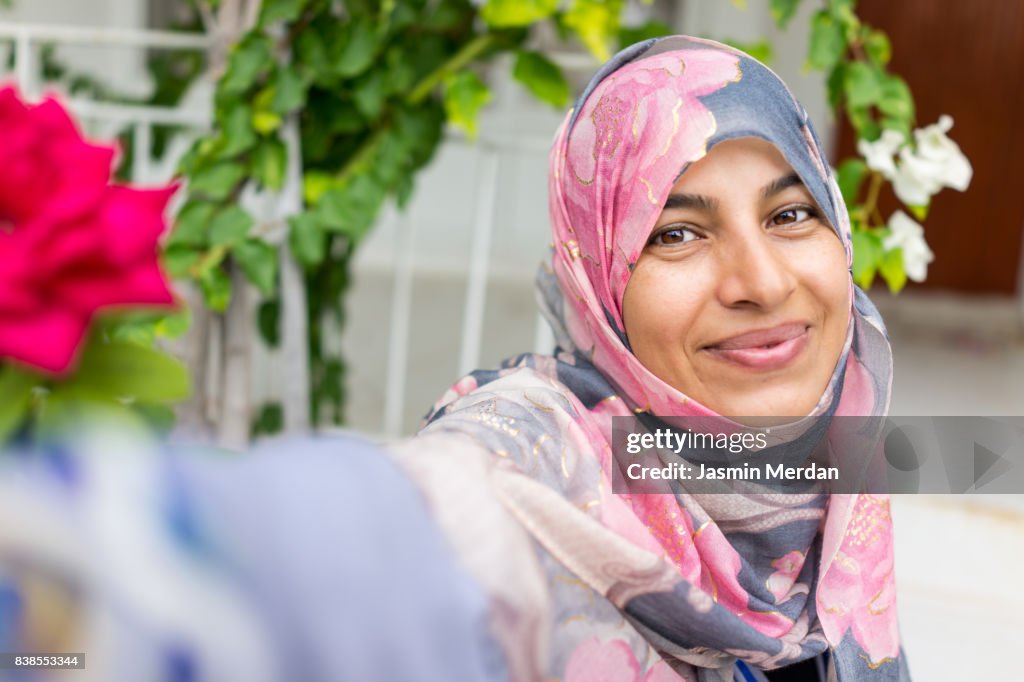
{"x": 764, "y": 350}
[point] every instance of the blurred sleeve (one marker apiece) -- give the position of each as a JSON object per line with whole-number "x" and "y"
{"x": 307, "y": 559}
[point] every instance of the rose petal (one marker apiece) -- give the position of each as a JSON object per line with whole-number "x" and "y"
{"x": 47, "y": 340}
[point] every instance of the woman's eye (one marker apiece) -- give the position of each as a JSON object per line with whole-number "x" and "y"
{"x": 674, "y": 235}
{"x": 791, "y": 216}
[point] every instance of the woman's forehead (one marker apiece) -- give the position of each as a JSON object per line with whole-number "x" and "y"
{"x": 736, "y": 158}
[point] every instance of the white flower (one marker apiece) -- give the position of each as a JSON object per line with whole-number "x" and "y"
{"x": 916, "y": 179}
{"x": 879, "y": 153}
{"x": 936, "y": 163}
{"x": 908, "y": 235}
{"x": 953, "y": 168}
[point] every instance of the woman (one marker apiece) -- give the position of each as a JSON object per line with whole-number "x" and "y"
{"x": 700, "y": 268}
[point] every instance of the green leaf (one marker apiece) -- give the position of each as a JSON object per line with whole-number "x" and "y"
{"x": 247, "y": 61}
{"x": 878, "y": 47}
{"x": 312, "y": 58}
{"x": 445, "y": 16}
{"x": 867, "y": 252}
{"x": 740, "y": 4}
{"x": 898, "y": 124}
{"x": 351, "y": 209}
{"x": 783, "y": 11}
{"x": 390, "y": 159}
{"x": 919, "y": 212}
{"x": 173, "y": 325}
{"x": 630, "y": 35}
{"x": 370, "y": 94}
{"x": 542, "y": 77}
{"x": 216, "y": 286}
{"x": 268, "y": 322}
{"x": 264, "y": 119}
{"x": 237, "y": 130}
{"x": 190, "y": 225}
{"x": 863, "y": 123}
{"x": 314, "y": 184}
{"x": 360, "y": 46}
{"x": 134, "y": 329}
{"x": 849, "y": 176}
{"x": 891, "y": 267}
{"x": 160, "y": 418}
{"x": 761, "y": 50}
{"x": 863, "y": 84}
{"x": 289, "y": 91}
{"x": 266, "y": 122}
{"x": 420, "y": 128}
{"x": 596, "y": 22}
{"x": 269, "y": 163}
{"x": 270, "y": 420}
{"x": 179, "y": 259}
{"x": 401, "y": 73}
{"x": 119, "y": 369}
{"x": 464, "y": 96}
{"x": 217, "y": 182}
{"x": 16, "y": 388}
{"x": 230, "y": 226}
{"x": 307, "y": 240}
{"x": 258, "y": 261}
{"x": 828, "y": 44}
{"x": 836, "y": 79}
{"x": 280, "y": 10}
{"x": 896, "y": 100}
{"x": 510, "y": 13}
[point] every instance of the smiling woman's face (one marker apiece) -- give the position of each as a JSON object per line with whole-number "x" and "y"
{"x": 741, "y": 297}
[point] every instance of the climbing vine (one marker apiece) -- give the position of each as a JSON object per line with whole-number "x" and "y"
{"x": 372, "y": 86}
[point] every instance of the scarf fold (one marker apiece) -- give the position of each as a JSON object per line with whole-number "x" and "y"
{"x": 699, "y": 580}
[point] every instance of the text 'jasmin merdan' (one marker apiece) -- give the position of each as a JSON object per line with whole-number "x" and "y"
{"x": 677, "y": 441}
{"x": 686, "y": 472}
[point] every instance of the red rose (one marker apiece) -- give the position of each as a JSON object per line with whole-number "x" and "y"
{"x": 71, "y": 242}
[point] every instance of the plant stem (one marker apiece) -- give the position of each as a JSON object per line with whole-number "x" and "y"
{"x": 211, "y": 259}
{"x": 466, "y": 54}
{"x": 871, "y": 201}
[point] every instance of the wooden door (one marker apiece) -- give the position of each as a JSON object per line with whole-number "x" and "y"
{"x": 966, "y": 59}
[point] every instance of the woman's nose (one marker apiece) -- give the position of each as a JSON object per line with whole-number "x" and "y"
{"x": 755, "y": 272}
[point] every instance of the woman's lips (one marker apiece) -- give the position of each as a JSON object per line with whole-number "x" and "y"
{"x": 763, "y": 349}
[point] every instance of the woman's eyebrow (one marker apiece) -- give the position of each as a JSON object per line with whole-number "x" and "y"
{"x": 691, "y": 201}
{"x": 780, "y": 184}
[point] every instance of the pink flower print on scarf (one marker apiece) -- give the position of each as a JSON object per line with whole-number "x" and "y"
{"x": 782, "y": 583}
{"x": 612, "y": 661}
{"x": 858, "y": 589}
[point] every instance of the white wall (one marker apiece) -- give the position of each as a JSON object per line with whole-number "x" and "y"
{"x": 121, "y": 68}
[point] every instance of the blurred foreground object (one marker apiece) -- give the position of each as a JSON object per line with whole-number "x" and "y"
{"x": 74, "y": 244}
{"x": 308, "y": 559}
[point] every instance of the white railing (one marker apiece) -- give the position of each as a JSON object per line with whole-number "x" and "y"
{"x": 140, "y": 119}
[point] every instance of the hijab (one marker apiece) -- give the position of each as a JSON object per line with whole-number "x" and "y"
{"x": 713, "y": 584}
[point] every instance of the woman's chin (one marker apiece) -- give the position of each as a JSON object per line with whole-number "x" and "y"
{"x": 769, "y": 403}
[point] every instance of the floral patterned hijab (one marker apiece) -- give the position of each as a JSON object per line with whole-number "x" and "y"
{"x": 711, "y": 586}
